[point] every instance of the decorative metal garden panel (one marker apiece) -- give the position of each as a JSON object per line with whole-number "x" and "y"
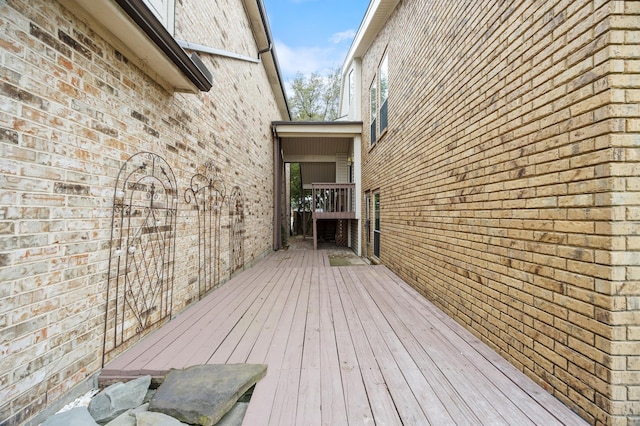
{"x": 142, "y": 256}
{"x": 207, "y": 194}
{"x": 236, "y": 230}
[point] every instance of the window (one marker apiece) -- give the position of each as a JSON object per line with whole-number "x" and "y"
{"x": 164, "y": 10}
{"x": 367, "y": 223}
{"x": 379, "y": 95}
{"x": 376, "y": 225}
{"x": 373, "y": 93}
{"x": 384, "y": 93}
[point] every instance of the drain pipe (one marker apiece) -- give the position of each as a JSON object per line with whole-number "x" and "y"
{"x": 218, "y": 52}
{"x": 213, "y": 51}
{"x": 267, "y": 30}
{"x": 269, "y": 48}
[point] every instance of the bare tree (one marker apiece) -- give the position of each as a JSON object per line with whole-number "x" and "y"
{"x": 315, "y": 98}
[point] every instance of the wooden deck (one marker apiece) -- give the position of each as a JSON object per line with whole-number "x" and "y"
{"x": 344, "y": 345}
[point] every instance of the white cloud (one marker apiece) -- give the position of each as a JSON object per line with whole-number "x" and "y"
{"x": 342, "y": 36}
{"x": 307, "y": 60}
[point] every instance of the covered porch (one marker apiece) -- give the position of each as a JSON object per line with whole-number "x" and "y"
{"x": 328, "y": 155}
{"x": 344, "y": 345}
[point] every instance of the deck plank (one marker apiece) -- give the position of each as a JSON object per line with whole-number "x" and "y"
{"x": 485, "y": 401}
{"x": 203, "y": 337}
{"x": 170, "y": 354}
{"x": 244, "y": 336}
{"x": 382, "y": 404}
{"x": 469, "y": 405}
{"x": 355, "y": 395}
{"x": 344, "y": 345}
{"x": 503, "y": 394}
{"x": 401, "y": 320}
{"x": 334, "y": 411}
{"x": 273, "y": 356}
{"x": 309, "y": 402}
{"x": 147, "y": 349}
{"x": 284, "y": 408}
{"x": 400, "y": 373}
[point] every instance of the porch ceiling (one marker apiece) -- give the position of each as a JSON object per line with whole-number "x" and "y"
{"x": 316, "y": 142}
{"x": 313, "y": 149}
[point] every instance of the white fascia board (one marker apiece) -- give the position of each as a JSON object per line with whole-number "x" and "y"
{"x": 343, "y": 130}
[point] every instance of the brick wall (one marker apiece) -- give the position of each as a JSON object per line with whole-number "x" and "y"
{"x": 72, "y": 111}
{"x": 509, "y": 181}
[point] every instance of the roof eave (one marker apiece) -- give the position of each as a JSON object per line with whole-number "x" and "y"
{"x": 336, "y": 129}
{"x": 262, "y": 32}
{"x": 374, "y": 20}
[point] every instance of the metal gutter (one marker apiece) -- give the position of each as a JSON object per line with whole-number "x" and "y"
{"x": 270, "y": 48}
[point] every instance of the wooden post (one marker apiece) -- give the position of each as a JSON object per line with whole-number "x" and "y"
{"x": 315, "y": 234}
{"x": 277, "y": 190}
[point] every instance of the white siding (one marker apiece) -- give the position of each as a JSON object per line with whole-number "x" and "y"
{"x": 342, "y": 169}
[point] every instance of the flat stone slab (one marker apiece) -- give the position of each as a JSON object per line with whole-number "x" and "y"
{"x": 235, "y": 416}
{"x": 78, "y": 416}
{"x": 128, "y": 418}
{"x": 118, "y": 398}
{"x": 203, "y": 394}
{"x": 148, "y": 418}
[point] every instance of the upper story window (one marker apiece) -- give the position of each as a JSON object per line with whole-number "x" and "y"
{"x": 383, "y": 75}
{"x": 373, "y": 95}
{"x": 379, "y": 95}
{"x": 164, "y": 10}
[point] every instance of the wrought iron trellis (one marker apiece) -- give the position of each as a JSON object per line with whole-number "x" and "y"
{"x": 236, "y": 230}
{"x": 142, "y": 252}
{"x": 207, "y": 193}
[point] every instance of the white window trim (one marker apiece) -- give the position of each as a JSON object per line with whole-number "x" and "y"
{"x": 165, "y": 11}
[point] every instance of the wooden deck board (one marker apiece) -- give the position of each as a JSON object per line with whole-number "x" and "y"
{"x": 381, "y": 402}
{"x": 273, "y": 356}
{"x": 334, "y": 411}
{"x": 514, "y": 386}
{"x": 309, "y": 400}
{"x": 355, "y": 395}
{"x": 146, "y": 350}
{"x": 399, "y": 376}
{"x": 344, "y": 345}
{"x": 204, "y": 337}
{"x": 435, "y": 354}
{"x": 285, "y": 402}
{"x": 254, "y": 327}
{"x": 401, "y": 321}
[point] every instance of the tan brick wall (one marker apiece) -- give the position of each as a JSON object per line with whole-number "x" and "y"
{"x": 509, "y": 183}
{"x": 70, "y": 115}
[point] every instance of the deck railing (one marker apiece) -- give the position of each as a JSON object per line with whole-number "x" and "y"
{"x": 333, "y": 200}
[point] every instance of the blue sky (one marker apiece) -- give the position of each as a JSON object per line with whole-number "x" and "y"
{"x": 313, "y": 35}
